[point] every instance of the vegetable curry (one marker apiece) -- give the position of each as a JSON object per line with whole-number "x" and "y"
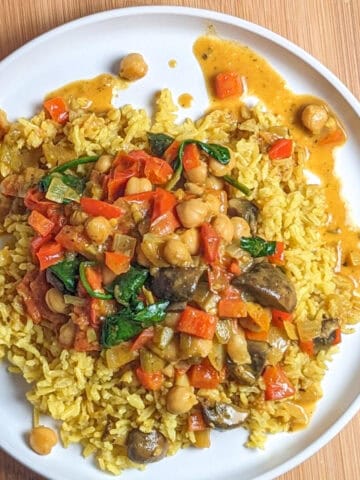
{"x": 152, "y": 257}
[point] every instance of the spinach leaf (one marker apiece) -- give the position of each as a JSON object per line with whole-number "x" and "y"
{"x": 159, "y": 142}
{"x": 257, "y": 246}
{"x": 67, "y": 272}
{"x": 127, "y": 324}
{"x": 125, "y": 287}
{"x": 234, "y": 183}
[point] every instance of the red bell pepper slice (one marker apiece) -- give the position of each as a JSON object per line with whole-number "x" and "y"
{"x": 57, "y": 109}
{"x": 280, "y": 149}
{"x": 210, "y": 242}
{"x": 142, "y": 339}
{"x": 278, "y": 257}
{"x": 150, "y": 381}
{"x": 117, "y": 262}
{"x": 49, "y": 254}
{"x": 196, "y": 322}
{"x": 191, "y": 157}
{"x": 96, "y": 208}
{"x": 279, "y": 317}
{"x": 277, "y": 385}
{"x": 42, "y": 225}
{"x": 157, "y": 170}
{"x": 204, "y": 375}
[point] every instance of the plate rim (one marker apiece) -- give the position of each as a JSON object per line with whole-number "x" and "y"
{"x": 214, "y": 15}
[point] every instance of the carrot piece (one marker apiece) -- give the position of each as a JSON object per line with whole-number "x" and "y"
{"x": 94, "y": 278}
{"x": 165, "y": 224}
{"x": 49, "y": 254}
{"x": 282, "y": 148}
{"x": 196, "y": 422}
{"x": 261, "y": 336}
{"x": 99, "y": 208}
{"x": 278, "y": 317}
{"x": 228, "y": 84}
{"x": 117, "y": 262}
{"x": 42, "y": 225}
{"x": 337, "y": 136}
{"x": 210, "y": 242}
{"x": 232, "y": 307}
{"x": 198, "y": 323}
{"x": 171, "y": 152}
{"x": 191, "y": 157}
{"x": 259, "y": 318}
{"x": 150, "y": 381}
{"x": 277, "y": 385}
{"x": 204, "y": 375}
{"x": 57, "y": 109}
{"x": 278, "y": 257}
{"x": 142, "y": 339}
{"x": 157, "y": 170}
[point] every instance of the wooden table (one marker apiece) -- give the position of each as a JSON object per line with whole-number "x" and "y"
{"x": 328, "y": 29}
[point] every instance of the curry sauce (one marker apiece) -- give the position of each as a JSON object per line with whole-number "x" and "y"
{"x": 262, "y": 81}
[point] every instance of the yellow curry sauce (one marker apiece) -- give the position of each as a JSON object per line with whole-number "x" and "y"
{"x": 216, "y": 55}
{"x": 185, "y": 100}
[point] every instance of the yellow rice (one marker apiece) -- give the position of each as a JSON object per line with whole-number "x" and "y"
{"x": 95, "y": 406}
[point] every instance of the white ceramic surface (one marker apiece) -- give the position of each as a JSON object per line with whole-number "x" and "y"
{"x": 92, "y": 45}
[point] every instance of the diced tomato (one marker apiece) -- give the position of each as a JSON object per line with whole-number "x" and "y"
{"x": 232, "y": 308}
{"x": 198, "y": 323}
{"x": 115, "y": 186}
{"x": 24, "y": 291}
{"x": 171, "y": 152}
{"x": 37, "y": 242}
{"x": 164, "y": 202}
{"x": 35, "y": 200}
{"x": 82, "y": 344}
{"x": 279, "y": 317}
{"x": 99, "y": 208}
{"x": 150, "y": 381}
{"x": 49, "y": 254}
{"x": 191, "y": 157}
{"x": 204, "y": 375}
{"x": 278, "y": 257}
{"x": 42, "y": 225}
{"x": 210, "y": 242}
{"x": 73, "y": 240}
{"x": 281, "y": 148}
{"x": 277, "y": 385}
{"x": 196, "y": 422}
{"x": 228, "y": 84}
{"x": 57, "y": 109}
{"x": 157, "y": 170}
{"x": 165, "y": 224}
{"x": 142, "y": 339}
{"x": 117, "y": 262}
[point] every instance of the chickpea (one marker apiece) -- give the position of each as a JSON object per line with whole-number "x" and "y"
{"x": 198, "y": 174}
{"x": 194, "y": 188}
{"x": 218, "y": 169}
{"x": 137, "y": 185}
{"x": 67, "y": 334}
{"x": 213, "y": 202}
{"x": 237, "y": 348}
{"x": 214, "y": 183}
{"x": 104, "y": 163}
{"x": 141, "y": 258}
{"x": 180, "y": 400}
{"x": 224, "y": 227}
{"x": 133, "y": 67}
{"x": 192, "y": 213}
{"x": 98, "y": 229}
{"x": 191, "y": 238}
{"x": 42, "y": 440}
{"x": 78, "y": 217}
{"x": 314, "y": 117}
{"x": 241, "y": 227}
{"x": 191, "y": 346}
{"x": 55, "y": 301}
{"x": 176, "y": 253}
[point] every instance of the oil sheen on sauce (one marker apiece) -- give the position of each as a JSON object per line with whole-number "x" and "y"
{"x": 216, "y": 55}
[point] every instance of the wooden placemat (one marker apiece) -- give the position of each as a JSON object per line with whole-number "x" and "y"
{"x": 328, "y": 29}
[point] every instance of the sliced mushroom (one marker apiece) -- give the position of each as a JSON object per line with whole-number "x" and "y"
{"x": 175, "y": 284}
{"x": 248, "y": 374}
{"x": 146, "y": 447}
{"x": 240, "y": 207}
{"x": 329, "y": 326}
{"x": 269, "y": 286}
{"x": 223, "y": 416}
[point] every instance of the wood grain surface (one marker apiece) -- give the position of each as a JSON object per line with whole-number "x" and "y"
{"x": 328, "y": 29}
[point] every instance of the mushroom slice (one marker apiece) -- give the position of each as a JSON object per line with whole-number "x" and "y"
{"x": 223, "y": 416}
{"x": 146, "y": 447}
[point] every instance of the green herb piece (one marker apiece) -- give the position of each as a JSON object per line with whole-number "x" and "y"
{"x": 218, "y": 152}
{"x": 234, "y": 183}
{"x": 86, "y": 285}
{"x": 74, "y": 163}
{"x": 127, "y": 324}
{"x": 67, "y": 272}
{"x": 159, "y": 142}
{"x": 126, "y": 287}
{"x": 257, "y": 246}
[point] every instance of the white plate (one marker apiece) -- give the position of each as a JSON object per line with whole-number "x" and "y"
{"x": 92, "y": 45}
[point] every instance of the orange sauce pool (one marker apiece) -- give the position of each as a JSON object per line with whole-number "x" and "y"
{"x": 185, "y": 100}
{"x": 217, "y": 55}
